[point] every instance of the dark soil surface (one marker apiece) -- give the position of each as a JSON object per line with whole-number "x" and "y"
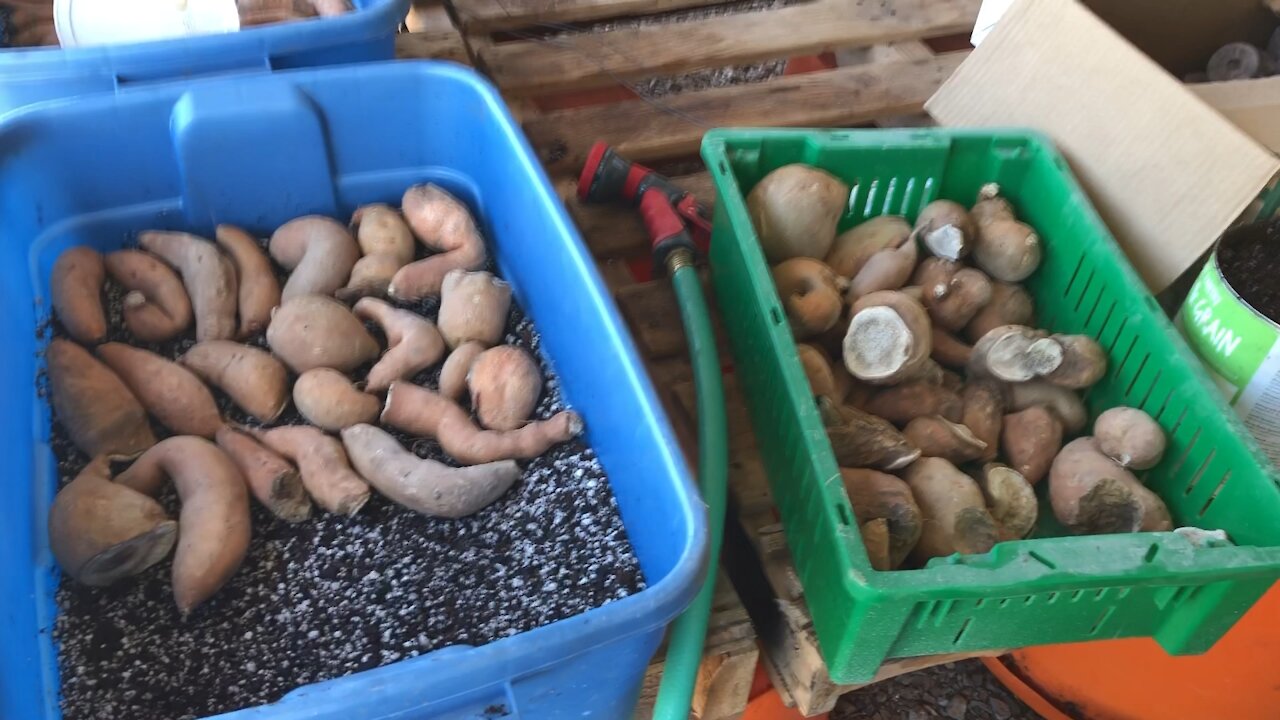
{"x": 1250, "y": 262}
{"x": 958, "y": 691}
{"x": 334, "y": 595}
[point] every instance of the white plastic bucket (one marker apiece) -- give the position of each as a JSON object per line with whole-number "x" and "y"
{"x": 81, "y": 23}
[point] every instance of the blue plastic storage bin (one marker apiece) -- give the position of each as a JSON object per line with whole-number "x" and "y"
{"x": 365, "y": 35}
{"x": 257, "y": 151}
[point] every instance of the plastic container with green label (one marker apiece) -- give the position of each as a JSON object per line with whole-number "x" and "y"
{"x": 1239, "y": 345}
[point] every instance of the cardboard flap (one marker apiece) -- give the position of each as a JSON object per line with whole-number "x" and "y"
{"x": 1166, "y": 172}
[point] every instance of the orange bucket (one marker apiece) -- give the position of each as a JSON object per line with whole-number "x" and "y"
{"x": 1238, "y": 679}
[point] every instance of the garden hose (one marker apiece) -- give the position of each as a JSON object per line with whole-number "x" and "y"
{"x": 688, "y": 633}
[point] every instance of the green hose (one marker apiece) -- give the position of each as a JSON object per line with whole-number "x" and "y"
{"x": 688, "y": 633}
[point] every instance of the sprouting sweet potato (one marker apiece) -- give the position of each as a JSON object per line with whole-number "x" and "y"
{"x": 795, "y": 209}
{"x": 326, "y": 471}
{"x": 256, "y": 279}
{"x": 1015, "y": 353}
{"x": 954, "y": 511}
{"x": 811, "y": 294}
{"x": 1031, "y": 439}
{"x": 169, "y": 391}
{"x": 214, "y": 520}
{"x": 156, "y": 308}
{"x": 311, "y": 331}
{"x": 272, "y": 480}
{"x": 953, "y": 294}
{"x": 413, "y": 343}
{"x": 251, "y": 377}
{"x": 473, "y": 307}
{"x": 420, "y": 411}
{"x": 76, "y": 289}
{"x": 1005, "y": 248}
{"x": 875, "y": 495}
{"x": 319, "y": 253}
{"x": 209, "y": 278}
{"x": 889, "y": 338}
{"x": 94, "y": 404}
{"x": 101, "y": 531}
{"x": 424, "y": 485}
{"x": 1130, "y": 437}
{"x": 860, "y": 439}
{"x": 443, "y": 224}
{"x": 330, "y": 401}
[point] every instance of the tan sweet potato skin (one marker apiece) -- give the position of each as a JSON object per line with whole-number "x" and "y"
{"x": 1031, "y": 439}
{"x": 312, "y": 331}
{"x": 444, "y": 225}
{"x": 254, "y": 380}
{"x": 318, "y": 251}
{"x": 1130, "y": 437}
{"x": 328, "y": 400}
{"x": 505, "y": 384}
{"x": 259, "y": 291}
{"x": 157, "y": 307}
{"x": 453, "y": 374}
{"x": 170, "y": 392}
{"x": 94, "y": 404}
{"x": 208, "y": 276}
{"x": 880, "y": 495}
{"x": 76, "y": 288}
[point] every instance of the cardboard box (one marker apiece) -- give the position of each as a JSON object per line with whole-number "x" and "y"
{"x": 1167, "y": 172}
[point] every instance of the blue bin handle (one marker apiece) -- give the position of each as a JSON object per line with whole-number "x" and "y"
{"x": 193, "y": 67}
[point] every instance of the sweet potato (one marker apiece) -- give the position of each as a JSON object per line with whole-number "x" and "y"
{"x": 1009, "y": 305}
{"x": 505, "y": 384}
{"x": 1084, "y": 362}
{"x": 319, "y": 253}
{"x": 473, "y": 307}
{"x": 156, "y": 308}
{"x": 824, "y": 379}
{"x": 956, "y": 295}
{"x": 252, "y": 378}
{"x": 945, "y": 229}
{"x": 854, "y": 247}
{"x": 443, "y": 224}
{"x": 209, "y": 278}
{"x": 170, "y": 392}
{"x": 860, "y": 439}
{"x": 984, "y": 409}
{"x": 953, "y": 509}
{"x": 1064, "y": 403}
{"x": 889, "y": 269}
{"x": 811, "y": 294}
{"x": 1030, "y": 440}
{"x": 936, "y": 436}
{"x": 272, "y": 480}
{"x": 1011, "y": 500}
{"x": 413, "y": 343}
{"x": 329, "y": 400}
{"x": 75, "y": 285}
{"x": 903, "y": 403}
{"x": 1130, "y": 437}
{"x": 94, "y": 404}
{"x": 423, "y": 485}
{"x": 214, "y": 520}
{"x": 1092, "y": 494}
{"x": 453, "y": 374}
{"x": 1003, "y": 247}
{"x": 326, "y": 472}
{"x": 311, "y": 331}
{"x": 387, "y": 244}
{"x": 1015, "y": 353}
{"x": 889, "y": 338}
{"x": 424, "y": 413}
{"x": 949, "y": 351}
{"x": 258, "y": 288}
{"x": 795, "y": 209}
{"x": 100, "y": 531}
{"x": 876, "y": 495}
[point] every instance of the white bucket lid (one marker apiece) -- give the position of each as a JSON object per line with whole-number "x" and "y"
{"x": 81, "y": 23}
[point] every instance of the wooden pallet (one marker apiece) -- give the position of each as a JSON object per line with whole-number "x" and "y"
{"x": 887, "y": 71}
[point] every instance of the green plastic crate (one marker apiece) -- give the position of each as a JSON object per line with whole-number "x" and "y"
{"x": 1048, "y": 589}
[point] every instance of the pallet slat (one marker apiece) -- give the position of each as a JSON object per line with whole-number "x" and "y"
{"x": 601, "y": 59}
{"x": 490, "y": 15}
{"x": 432, "y": 45}
{"x": 643, "y": 131}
